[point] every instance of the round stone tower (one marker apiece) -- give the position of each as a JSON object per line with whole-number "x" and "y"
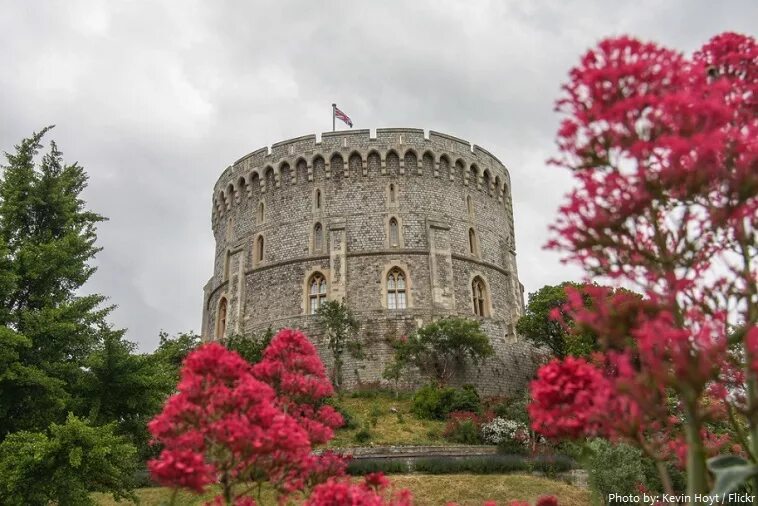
{"x": 403, "y": 226}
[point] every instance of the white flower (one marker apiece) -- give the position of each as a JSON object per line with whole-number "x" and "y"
{"x": 500, "y": 429}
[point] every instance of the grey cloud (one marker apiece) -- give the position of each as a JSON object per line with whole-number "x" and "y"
{"x": 156, "y": 98}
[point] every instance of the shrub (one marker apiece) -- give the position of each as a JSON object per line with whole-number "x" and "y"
{"x": 65, "y": 464}
{"x": 614, "y": 468}
{"x": 463, "y": 427}
{"x": 433, "y": 402}
{"x": 510, "y": 436}
{"x": 361, "y": 467}
{"x": 374, "y": 414}
{"x": 363, "y": 435}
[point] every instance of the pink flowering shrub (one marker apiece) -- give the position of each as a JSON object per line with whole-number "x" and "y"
{"x": 664, "y": 153}
{"x": 223, "y": 427}
{"x": 373, "y": 491}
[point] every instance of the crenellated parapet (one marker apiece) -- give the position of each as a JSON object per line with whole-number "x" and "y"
{"x": 396, "y": 151}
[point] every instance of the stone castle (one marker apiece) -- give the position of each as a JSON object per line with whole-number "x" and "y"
{"x": 406, "y": 227}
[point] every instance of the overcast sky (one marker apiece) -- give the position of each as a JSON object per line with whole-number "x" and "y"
{"x": 156, "y": 98}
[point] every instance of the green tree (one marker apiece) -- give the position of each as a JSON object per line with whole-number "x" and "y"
{"x": 172, "y": 351}
{"x": 537, "y": 326}
{"x": 65, "y": 464}
{"x": 47, "y": 238}
{"x": 340, "y": 327}
{"x": 441, "y": 348}
{"x": 250, "y": 348}
{"x": 123, "y": 387}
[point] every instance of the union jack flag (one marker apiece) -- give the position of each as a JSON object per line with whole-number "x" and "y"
{"x": 342, "y": 116}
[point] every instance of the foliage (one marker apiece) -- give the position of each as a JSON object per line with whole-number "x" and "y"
{"x": 363, "y": 435}
{"x": 463, "y": 427}
{"x": 250, "y": 348}
{"x": 120, "y": 385}
{"x": 434, "y": 402}
{"x": 340, "y": 327}
{"x": 490, "y": 464}
{"x": 663, "y": 151}
{"x": 614, "y": 468}
{"x": 499, "y": 430}
{"x": 64, "y": 464}
{"x": 537, "y": 326}
{"x": 510, "y": 408}
{"x": 172, "y": 351}
{"x": 292, "y": 367}
{"x": 223, "y": 426}
{"x": 361, "y": 467}
{"x": 47, "y": 239}
{"x": 441, "y": 348}
{"x": 373, "y": 491}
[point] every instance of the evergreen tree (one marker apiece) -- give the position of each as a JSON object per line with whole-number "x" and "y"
{"x": 47, "y": 240}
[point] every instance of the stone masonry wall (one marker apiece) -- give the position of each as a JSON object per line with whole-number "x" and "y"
{"x": 341, "y": 194}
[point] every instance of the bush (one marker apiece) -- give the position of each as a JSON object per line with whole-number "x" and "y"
{"x": 363, "y": 435}
{"x": 510, "y": 436}
{"x": 66, "y": 464}
{"x": 360, "y": 467}
{"x": 463, "y": 427}
{"x": 491, "y": 464}
{"x": 614, "y": 468}
{"x": 435, "y": 403}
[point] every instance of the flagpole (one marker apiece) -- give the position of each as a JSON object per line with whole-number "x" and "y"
{"x": 334, "y": 108}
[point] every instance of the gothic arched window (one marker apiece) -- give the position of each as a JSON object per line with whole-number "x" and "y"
{"x": 479, "y": 295}
{"x": 394, "y": 233}
{"x": 396, "y": 289}
{"x": 221, "y": 319}
{"x": 318, "y": 238}
{"x": 259, "y": 249}
{"x": 316, "y": 292}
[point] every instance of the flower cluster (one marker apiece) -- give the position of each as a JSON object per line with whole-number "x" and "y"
{"x": 664, "y": 155}
{"x": 373, "y": 491}
{"x": 223, "y": 424}
{"x": 292, "y": 367}
{"x": 499, "y": 430}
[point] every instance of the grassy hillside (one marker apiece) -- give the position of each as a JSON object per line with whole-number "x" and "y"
{"x": 386, "y": 427}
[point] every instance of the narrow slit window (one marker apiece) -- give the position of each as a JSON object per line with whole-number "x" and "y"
{"x": 318, "y": 199}
{"x": 261, "y": 212}
{"x": 392, "y": 193}
{"x": 394, "y": 233}
{"x": 472, "y": 241}
{"x": 318, "y": 238}
{"x": 259, "y": 249}
{"x": 221, "y": 324}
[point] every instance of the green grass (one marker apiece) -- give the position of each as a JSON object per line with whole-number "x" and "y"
{"x": 465, "y": 489}
{"x": 401, "y": 428}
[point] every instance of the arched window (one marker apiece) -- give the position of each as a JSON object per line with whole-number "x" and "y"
{"x": 259, "y": 249}
{"x": 318, "y": 237}
{"x": 317, "y": 199}
{"x": 261, "y": 212}
{"x": 469, "y": 205}
{"x": 396, "y": 289}
{"x": 221, "y": 319}
{"x": 472, "y": 241}
{"x": 394, "y": 233}
{"x": 392, "y": 193}
{"x": 479, "y": 293}
{"x": 316, "y": 292}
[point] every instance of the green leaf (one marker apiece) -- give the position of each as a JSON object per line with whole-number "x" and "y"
{"x": 75, "y": 457}
{"x": 731, "y": 473}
